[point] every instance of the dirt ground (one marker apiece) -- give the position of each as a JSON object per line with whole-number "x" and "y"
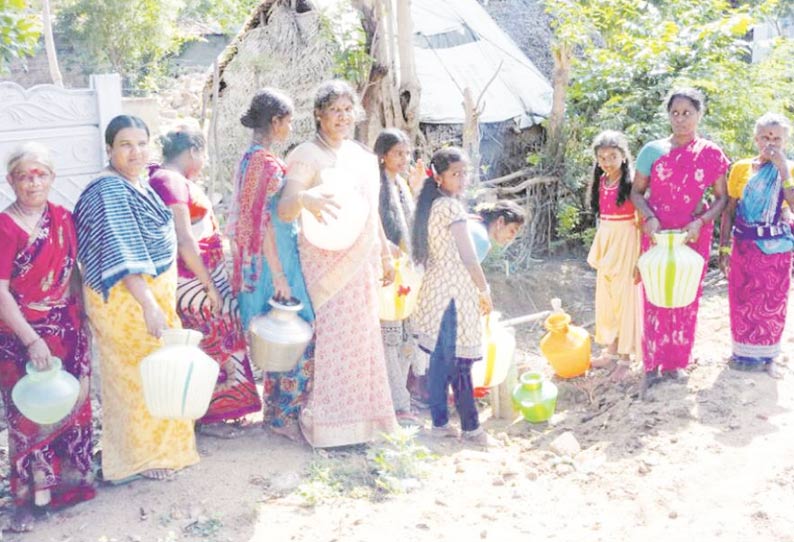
{"x": 709, "y": 459}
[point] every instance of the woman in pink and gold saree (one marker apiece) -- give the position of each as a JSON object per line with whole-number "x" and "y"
{"x": 349, "y": 401}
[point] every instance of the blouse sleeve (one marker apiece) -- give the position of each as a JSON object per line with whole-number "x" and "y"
{"x": 171, "y": 187}
{"x": 720, "y": 162}
{"x": 301, "y": 167}
{"x": 737, "y": 179}
{"x": 9, "y": 247}
{"x": 649, "y": 154}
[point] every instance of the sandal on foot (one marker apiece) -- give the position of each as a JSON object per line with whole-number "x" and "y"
{"x": 621, "y": 371}
{"x": 774, "y": 370}
{"x": 406, "y": 417}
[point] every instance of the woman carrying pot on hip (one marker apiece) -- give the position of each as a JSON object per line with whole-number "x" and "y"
{"x": 350, "y": 401}
{"x": 204, "y": 298}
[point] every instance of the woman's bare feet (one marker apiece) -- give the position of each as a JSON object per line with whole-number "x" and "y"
{"x": 22, "y": 520}
{"x": 289, "y": 430}
{"x": 158, "y": 474}
{"x": 622, "y": 370}
{"x": 605, "y": 359}
{"x": 223, "y": 430}
{"x": 774, "y": 370}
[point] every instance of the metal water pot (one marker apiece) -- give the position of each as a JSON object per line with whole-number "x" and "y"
{"x": 279, "y": 338}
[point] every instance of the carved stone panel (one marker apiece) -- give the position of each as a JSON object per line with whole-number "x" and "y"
{"x": 45, "y": 105}
{"x": 69, "y": 122}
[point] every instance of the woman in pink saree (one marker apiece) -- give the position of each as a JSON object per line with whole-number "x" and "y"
{"x": 349, "y": 401}
{"x": 670, "y": 181}
{"x": 755, "y": 248}
{"x": 41, "y": 318}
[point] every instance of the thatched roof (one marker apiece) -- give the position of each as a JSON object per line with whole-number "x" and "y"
{"x": 279, "y": 46}
{"x": 527, "y": 22}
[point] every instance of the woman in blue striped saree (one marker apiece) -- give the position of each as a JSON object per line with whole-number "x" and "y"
{"x": 127, "y": 252}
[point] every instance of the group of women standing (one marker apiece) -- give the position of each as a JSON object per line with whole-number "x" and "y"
{"x": 151, "y": 257}
{"x": 679, "y": 183}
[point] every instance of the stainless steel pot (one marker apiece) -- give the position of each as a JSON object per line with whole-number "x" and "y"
{"x": 279, "y": 338}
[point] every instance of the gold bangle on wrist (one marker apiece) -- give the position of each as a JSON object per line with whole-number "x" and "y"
{"x": 725, "y": 249}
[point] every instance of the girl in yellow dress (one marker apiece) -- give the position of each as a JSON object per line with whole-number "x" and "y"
{"x": 614, "y": 252}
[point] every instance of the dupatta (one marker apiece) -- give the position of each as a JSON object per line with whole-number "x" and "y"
{"x": 122, "y": 231}
{"x": 758, "y": 212}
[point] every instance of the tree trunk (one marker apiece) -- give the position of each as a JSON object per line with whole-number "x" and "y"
{"x": 410, "y": 89}
{"x": 375, "y": 97}
{"x": 390, "y": 99}
{"x": 560, "y": 78}
{"x": 471, "y": 134}
{"x": 49, "y": 44}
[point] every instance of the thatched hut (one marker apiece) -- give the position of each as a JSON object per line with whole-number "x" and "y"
{"x": 283, "y": 45}
{"x": 291, "y": 45}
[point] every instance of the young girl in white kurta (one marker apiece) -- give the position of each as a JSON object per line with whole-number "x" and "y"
{"x": 454, "y": 294}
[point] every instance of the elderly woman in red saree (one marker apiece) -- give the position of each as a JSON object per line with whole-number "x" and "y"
{"x": 670, "y": 181}
{"x": 349, "y": 401}
{"x": 755, "y": 247}
{"x": 41, "y": 318}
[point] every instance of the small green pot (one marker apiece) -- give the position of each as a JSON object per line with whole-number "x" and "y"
{"x": 535, "y": 398}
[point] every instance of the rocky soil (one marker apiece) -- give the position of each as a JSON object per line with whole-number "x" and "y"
{"x": 709, "y": 459}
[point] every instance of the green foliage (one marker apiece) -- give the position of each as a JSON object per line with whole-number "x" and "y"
{"x": 129, "y": 37}
{"x": 229, "y": 16}
{"x": 629, "y": 54}
{"x": 341, "y": 25}
{"x": 322, "y": 485}
{"x": 390, "y": 468}
{"x": 19, "y": 31}
{"x": 401, "y": 462}
{"x": 571, "y": 227}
